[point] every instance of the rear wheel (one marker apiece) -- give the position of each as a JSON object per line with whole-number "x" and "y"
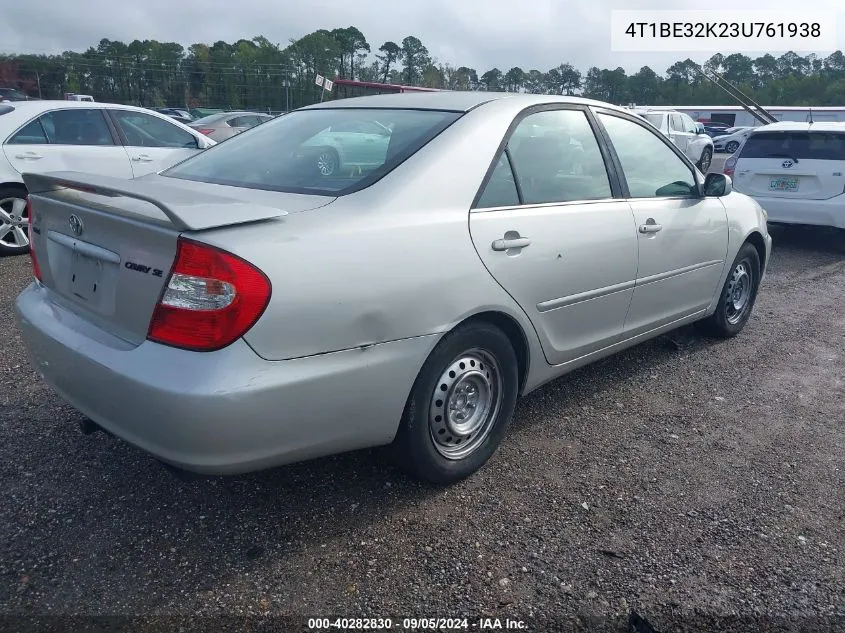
{"x": 738, "y": 295}
{"x": 460, "y": 405}
{"x": 731, "y": 147}
{"x": 14, "y": 235}
{"x": 328, "y": 161}
{"x": 705, "y": 160}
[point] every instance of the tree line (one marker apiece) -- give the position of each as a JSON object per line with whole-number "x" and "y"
{"x": 258, "y": 74}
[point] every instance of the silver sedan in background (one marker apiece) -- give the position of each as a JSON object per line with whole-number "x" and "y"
{"x": 225, "y": 125}
{"x": 246, "y": 309}
{"x": 730, "y": 140}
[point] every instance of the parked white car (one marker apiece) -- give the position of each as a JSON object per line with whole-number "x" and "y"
{"x": 731, "y": 140}
{"x": 795, "y": 171}
{"x": 689, "y": 136}
{"x": 108, "y": 139}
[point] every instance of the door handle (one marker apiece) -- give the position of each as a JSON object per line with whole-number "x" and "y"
{"x": 143, "y": 158}
{"x": 650, "y": 227}
{"x": 29, "y": 155}
{"x": 509, "y": 243}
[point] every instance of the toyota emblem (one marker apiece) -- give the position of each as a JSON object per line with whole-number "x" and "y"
{"x": 786, "y": 164}
{"x": 76, "y": 225}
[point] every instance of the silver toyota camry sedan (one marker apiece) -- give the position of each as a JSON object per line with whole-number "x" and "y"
{"x": 246, "y": 308}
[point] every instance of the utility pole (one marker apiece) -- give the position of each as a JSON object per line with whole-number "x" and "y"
{"x": 286, "y": 85}
{"x": 38, "y": 81}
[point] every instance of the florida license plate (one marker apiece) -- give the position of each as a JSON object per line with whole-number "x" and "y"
{"x": 783, "y": 184}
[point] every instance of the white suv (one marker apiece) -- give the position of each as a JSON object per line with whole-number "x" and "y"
{"x": 795, "y": 171}
{"x": 689, "y": 136}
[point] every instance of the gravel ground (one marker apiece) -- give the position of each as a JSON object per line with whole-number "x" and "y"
{"x": 688, "y": 485}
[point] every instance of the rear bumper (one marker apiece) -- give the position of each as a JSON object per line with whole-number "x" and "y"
{"x": 830, "y": 212}
{"x": 222, "y": 412}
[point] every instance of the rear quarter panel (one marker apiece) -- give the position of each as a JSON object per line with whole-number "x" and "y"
{"x": 390, "y": 262}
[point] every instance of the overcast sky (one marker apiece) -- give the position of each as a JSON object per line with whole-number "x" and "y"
{"x": 477, "y": 33}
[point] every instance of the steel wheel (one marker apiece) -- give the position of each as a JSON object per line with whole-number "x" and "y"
{"x": 13, "y": 223}
{"x": 465, "y": 403}
{"x": 327, "y": 162}
{"x": 738, "y": 292}
{"x": 731, "y": 147}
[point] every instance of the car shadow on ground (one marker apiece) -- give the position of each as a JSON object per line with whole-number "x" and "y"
{"x": 819, "y": 240}
{"x": 126, "y": 510}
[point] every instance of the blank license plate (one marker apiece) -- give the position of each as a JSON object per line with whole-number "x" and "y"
{"x": 84, "y": 276}
{"x": 783, "y": 184}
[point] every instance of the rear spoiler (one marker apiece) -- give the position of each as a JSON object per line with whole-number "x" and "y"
{"x": 187, "y": 209}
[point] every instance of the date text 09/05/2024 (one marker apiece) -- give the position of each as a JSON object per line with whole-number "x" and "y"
{"x": 415, "y": 624}
{"x": 724, "y": 29}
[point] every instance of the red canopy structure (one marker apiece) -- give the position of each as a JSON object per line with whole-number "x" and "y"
{"x": 351, "y": 88}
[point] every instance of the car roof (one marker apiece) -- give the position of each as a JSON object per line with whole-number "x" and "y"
{"x": 16, "y": 113}
{"x": 34, "y": 107}
{"x": 655, "y": 111}
{"x": 49, "y": 104}
{"x": 802, "y": 126}
{"x": 230, "y": 113}
{"x": 458, "y": 101}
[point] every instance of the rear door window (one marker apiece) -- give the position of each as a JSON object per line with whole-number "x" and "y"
{"x": 558, "y": 159}
{"x": 31, "y": 134}
{"x": 77, "y": 126}
{"x": 500, "y": 190}
{"x": 555, "y": 157}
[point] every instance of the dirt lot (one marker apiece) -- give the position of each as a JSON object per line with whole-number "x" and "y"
{"x": 689, "y": 485}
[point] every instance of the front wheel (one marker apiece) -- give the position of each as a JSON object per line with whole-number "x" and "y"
{"x": 738, "y": 295}
{"x": 460, "y": 405}
{"x": 705, "y": 160}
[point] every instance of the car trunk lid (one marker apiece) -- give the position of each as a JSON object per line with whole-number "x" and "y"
{"x": 105, "y": 246}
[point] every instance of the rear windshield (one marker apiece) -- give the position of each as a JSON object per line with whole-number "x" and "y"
{"x": 330, "y": 151}
{"x": 206, "y": 119}
{"x": 796, "y": 145}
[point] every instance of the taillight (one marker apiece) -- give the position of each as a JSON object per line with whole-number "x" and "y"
{"x": 211, "y": 299}
{"x": 205, "y": 131}
{"x": 730, "y": 166}
{"x": 36, "y": 270}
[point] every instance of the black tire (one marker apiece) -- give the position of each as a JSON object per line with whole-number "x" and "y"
{"x": 731, "y": 147}
{"x": 7, "y": 247}
{"x": 705, "y": 161}
{"x": 415, "y": 448}
{"x": 727, "y": 321}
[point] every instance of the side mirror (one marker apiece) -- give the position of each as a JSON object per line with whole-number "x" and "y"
{"x": 717, "y": 185}
{"x": 699, "y": 129}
